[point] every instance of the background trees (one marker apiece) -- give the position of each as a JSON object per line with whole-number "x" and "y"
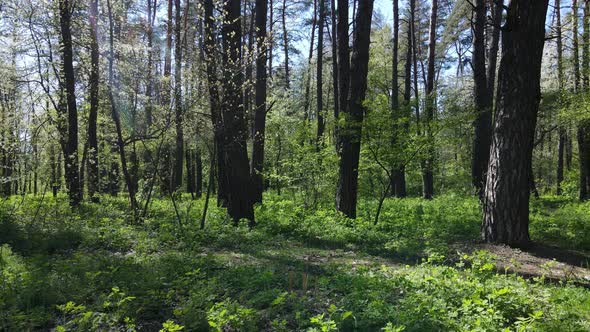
{"x": 273, "y": 95}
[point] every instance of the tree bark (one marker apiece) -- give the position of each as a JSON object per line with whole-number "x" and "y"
{"x": 286, "y": 46}
{"x": 71, "y": 146}
{"x": 427, "y": 169}
{"x": 260, "y": 102}
{"x": 506, "y": 197}
{"x": 234, "y": 121}
{"x": 343, "y": 55}
{"x": 483, "y": 102}
{"x": 307, "y": 95}
{"x": 179, "y": 149}
{"x": 210, "y": 52}
{"x": 398, "y": 173}
{"x": 92, "y": 162}
{"x": 334, "y": 59}
{"x": 320, "y": 74}
{"x": 349, "y": 139}
{"x": 560, "y": 80}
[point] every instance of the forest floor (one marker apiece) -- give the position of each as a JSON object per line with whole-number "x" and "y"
{"x": 419, "y": 269}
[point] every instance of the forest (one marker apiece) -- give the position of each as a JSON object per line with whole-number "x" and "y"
{"x": 295, "y": 165}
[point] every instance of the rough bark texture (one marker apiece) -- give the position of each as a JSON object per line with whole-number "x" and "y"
{"x": 584, "y": 125}
{"x": 234, "y": 120}
{"x": 260, "y": 102}
{"x": 575, "y": 46}
{"x": 92, "y": 162}
{"x": 71, "y": 144}
{"x": 506, "y": 197}
{"x": 483, "y": 102}
{"x": 334, "y": 58}
{"x": 349, "y": 139}
{"x": 343, "y": 55}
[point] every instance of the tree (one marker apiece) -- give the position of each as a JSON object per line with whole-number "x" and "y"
{"x": 428, "y": 164}
{"x": 560, "y": 79}
{"x": 319, "y": 78}
{"x": 349, "y": 137}
{"x": 584, "y": 125}
{"x": 234, "y": 121}
{"x": 506, "y": 196}
{"x": 260, "y": 102}
{"x": 483, "y": 101}
{"x": 179, "y": 149}
{"x": 93, "y": 178}
{"x": 70, "y": 146}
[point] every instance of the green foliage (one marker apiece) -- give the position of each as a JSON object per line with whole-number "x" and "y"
{"x": 299, "y": 269}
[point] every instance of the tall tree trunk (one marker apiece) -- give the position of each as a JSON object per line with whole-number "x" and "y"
{"x": 584, "y": 125}
{"x": 71, "y": 146}
{"x": 342, "y": 41}
{"x": 320, "y": 73}
{"x": 307, "y": 95}
{"x": 234, "y": 121}
{"x": 427, "y": 169}
{"x": 506, "y": 197}
{"x": 398, "y": 174}
{"x": 560, "y": 80}
{"x": 214, "y": 102}
{"x": 349, "y": 139}
{"x": 483, "y": 102}
{"x": 179, "y": 149}
{"x": 151, "y": 15}
{"x": 575, "y": 46}
{"x": 92, "y": 162}
{"x": 334, "y": 59}
{"x": 166, "y": 184}
{"x": 260, "y": 102}
{"x": 286, "y": 45}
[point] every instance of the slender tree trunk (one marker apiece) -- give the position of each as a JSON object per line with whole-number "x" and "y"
{"x": 427, "y": 170}
{"x": 560, "y": 80}
{"x": 307, "y": 95}
{"x": 286, "y": 45}
{"x": 260, "y": 102}
{"x": 575, "y": 46}
{"x": 334, "y": 59}
{"x": 320, "y": 73}
{"x": 349, "y": 140}
{"x": 71, "y": 146}
{"x": 506, "y": 197}
{"x": 398, "y": 173}
{"x": 234, "y": 122}
{"x": 92, "y": 162}
{"x": 179, "y": 150}
{"x": 584, "y": 125}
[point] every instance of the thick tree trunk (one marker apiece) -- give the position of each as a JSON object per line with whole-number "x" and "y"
{"x": 506, "y": 197}
{"x": 483, "y": 102}
{"x": 349, "y": 139}
{"x": 584, "y": 126}
{"x": 320, "y": 73}
{"x": 234, "y": 121}
{"x": 92, "y": 162}
{"x": 71, "y": 145}
{"x": 428, "y": 165}
{"x": 260, "y": 103}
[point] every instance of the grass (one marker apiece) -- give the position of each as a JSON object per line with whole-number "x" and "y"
{"x": 90, "y": 270}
